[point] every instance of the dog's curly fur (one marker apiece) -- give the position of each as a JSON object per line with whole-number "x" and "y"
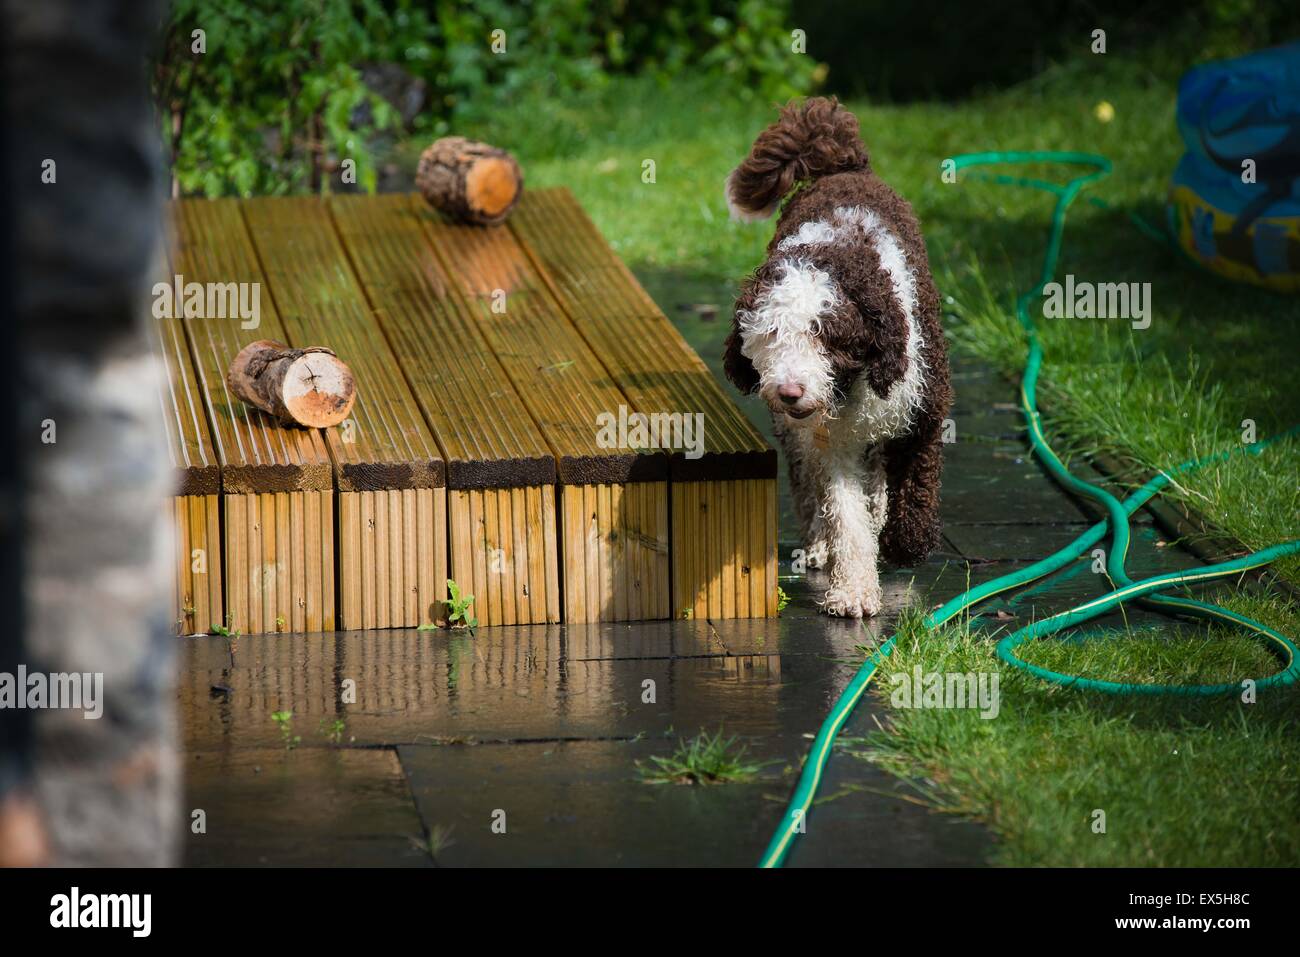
{"x": 839, "y": 331}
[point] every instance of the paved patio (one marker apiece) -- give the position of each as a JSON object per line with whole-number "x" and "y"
{"x": 544, "y": 725}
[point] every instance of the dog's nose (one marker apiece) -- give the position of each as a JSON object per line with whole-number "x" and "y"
{"x": 790, "y": 393}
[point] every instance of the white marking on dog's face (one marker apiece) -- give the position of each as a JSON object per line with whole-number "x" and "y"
{"x": 780, "y": 336}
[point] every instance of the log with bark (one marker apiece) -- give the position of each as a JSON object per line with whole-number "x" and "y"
{"x": 469, "y": 181}
{"x": 309, "y": 387}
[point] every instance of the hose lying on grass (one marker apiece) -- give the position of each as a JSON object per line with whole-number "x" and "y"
{"x": 1126, "y": 590}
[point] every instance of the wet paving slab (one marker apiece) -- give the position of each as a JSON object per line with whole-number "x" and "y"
{"x": 583, "y": 804}
{"x": 1000, "y": 483}
{"x": 273, "y": 807}
{"x": 407, "y": 743}
{"x": 555, "y": 742}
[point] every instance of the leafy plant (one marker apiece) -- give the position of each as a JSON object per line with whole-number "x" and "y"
{"x": 284, "y": 721}
{"x": 704, "y": 759}
{"x": 782, "y": 599}
{"x": 333, "y": 730}
{"x": 264, "y": 96}
{"x": 458, "y": 608}
{"x": 231, "y": 635}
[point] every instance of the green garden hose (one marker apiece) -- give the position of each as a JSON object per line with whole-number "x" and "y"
{"x": 1126, "y": 590}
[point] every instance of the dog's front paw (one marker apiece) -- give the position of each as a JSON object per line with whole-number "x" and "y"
{"x": 847, "y": 603}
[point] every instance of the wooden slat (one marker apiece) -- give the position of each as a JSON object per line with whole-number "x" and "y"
{"x": 189, "y": 438}
{"x": 256, "y": 453}
{"x": 196, "y": 569}
{"x": 393, "y": 558}
{"x": 595, "y": 571}
{"x": 508, "y": 559}
{"x": 559, "y": 379}
{"x": 641, "y": 350}
{"x": 258, "y": 456}
{"x": 724, "y": 549}
{"x": 478, "y": 418}
{"x": 197, "y": 587}
{"x": 713, "y": 538}
{"x": 485, "y": 276}
{"x": 385, "y": 447}
{"x": 385, "y": 443}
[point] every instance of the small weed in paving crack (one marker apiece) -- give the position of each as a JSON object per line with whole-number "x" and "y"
{"x": 705, "y": 759}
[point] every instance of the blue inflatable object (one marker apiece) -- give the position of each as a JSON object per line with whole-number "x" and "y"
{"x": 1234, "y": 202}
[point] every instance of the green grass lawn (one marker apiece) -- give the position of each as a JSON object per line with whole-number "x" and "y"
{"x": 1181, "y": 782}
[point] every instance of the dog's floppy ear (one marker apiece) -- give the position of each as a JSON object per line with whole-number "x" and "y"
{"x": 877, "y": 340}
{"x": 739, "y": 369}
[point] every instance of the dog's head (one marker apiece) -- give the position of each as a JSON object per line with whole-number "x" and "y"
{"x": 809, "y": 324}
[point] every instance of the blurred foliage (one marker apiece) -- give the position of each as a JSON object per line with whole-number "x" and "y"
{"x": 279, "y": 95}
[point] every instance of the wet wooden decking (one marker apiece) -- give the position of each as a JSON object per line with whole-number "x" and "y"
{"x": 486, "y": 362}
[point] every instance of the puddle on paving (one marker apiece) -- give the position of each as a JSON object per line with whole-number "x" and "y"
{"x": 505, "y": 684}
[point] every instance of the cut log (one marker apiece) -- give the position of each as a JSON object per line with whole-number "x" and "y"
{"x": 471, "y": 182}
{"x": 308, "y": 387}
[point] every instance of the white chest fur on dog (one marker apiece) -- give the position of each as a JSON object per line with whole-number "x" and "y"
{"x": 831, "y": 451}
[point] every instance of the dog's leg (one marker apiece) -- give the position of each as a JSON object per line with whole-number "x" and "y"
{"x": 818, "y": 547}
{"x": 849, "y": 492}
{"x": 806, "y": 484}
{"x": 877, "y": 487}
{"x": 914, "y": 464}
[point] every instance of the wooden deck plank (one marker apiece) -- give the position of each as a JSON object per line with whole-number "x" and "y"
{"x": 193, "y": 510}
{"x": 321, "y": 302}
{"x": 490, "y": 441}
{"x": 660, "y": 373}
{"x": 641, "y": 350}
{"x": 478, "y": 418}
{"x": 494, "y": 285}
{"x": 561, "y": 382}
{"x": 385, "y": 445}
{"x": 257, "y": 454}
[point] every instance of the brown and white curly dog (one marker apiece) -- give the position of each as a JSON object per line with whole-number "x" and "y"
{"x": 839, "y": 332}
